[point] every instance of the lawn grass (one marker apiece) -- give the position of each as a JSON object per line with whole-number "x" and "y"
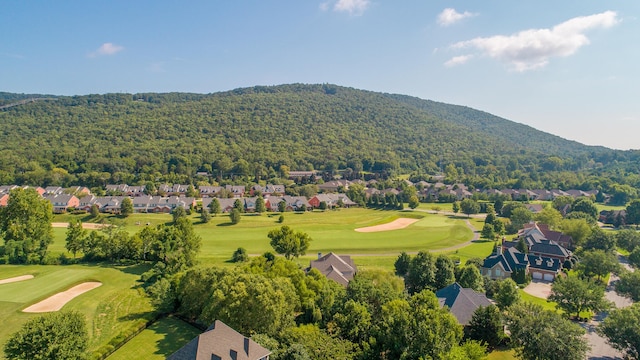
{"x": 158, "y": 341}
{"x": 551, "y": 306}
{"x": 330, "y": 231}
{"x": 502, "y": 354}
{"x": 109, "y": 309}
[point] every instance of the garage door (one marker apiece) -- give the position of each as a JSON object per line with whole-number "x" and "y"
{"x": 537, "y": 275}
{"x": 548, "y": 277}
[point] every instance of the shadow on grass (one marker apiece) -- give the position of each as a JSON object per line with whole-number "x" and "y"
{"x": 135, "y": 269}
{"x": 176, "y": 334}
{"x": 481, "y": 241}
{"x": 226, "y": 224}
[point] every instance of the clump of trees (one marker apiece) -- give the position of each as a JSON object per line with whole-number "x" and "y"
{"x": 25, "y": 226}
{"x": 58, "y": 335}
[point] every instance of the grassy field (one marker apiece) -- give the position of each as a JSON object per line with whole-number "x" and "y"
{"x": 157, "y": 341}
{"x": 330, "y": 231}
{"x": 109, "y": 309}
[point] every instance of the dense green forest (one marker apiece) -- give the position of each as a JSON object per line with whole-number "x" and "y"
{"x": 249, "y": 132}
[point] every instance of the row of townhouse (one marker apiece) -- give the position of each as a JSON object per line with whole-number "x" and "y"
{"x": 237, "y": 191}
{"x": 141, "y": 204}
{"x": 292, "y": 203}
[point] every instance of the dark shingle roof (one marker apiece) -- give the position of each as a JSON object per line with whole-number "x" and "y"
{"x": 220, "y": 342}
{"x": 462, "y": 302}
{"x": 338, "y": 268}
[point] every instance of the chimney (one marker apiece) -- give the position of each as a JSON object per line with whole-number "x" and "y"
{"x": 319, "y": 255}
{"x": 246, "y": 346}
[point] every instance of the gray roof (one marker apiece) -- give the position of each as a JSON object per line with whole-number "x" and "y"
{"x": 221, "y": 342}
{"x": 462, "y": 302}
{"x": 340, "y": 269}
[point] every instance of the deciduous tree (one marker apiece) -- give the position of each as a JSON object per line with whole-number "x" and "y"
{"x": 126, "y": 207}
{"x": 288, "y": 242}
{"x": 76, "y": 235}
{"x": 57, "y": 335}
{"x": 622, "y": 329}
{"x": 530, "y": 326}
{"x": 25, "y": 225}
{"x": 574, "y": 295}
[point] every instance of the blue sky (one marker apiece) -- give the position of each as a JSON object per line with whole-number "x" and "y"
{"x": 570, "y": 68}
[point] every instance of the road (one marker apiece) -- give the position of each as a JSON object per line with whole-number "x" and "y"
{"x": 600, "y": 350}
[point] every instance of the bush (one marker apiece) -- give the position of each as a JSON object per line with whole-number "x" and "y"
{"x": 280, "y": 219}
{"x": 240, "y": 255}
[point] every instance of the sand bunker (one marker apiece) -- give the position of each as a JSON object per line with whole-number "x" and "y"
{"x": 15, "y": 279}
{"x": 90, "y": 226}
{"x": 57, "y": 301}
{"x": 394, "y": 225}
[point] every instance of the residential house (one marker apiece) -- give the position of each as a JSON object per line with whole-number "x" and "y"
{"x": 340, "y": 269}
{"x": 4, "y": 199}
{"x": 534, "y": 208}
{"x": 62, "y": 202}
{"x": 502, "y": 264}
{"x": 332, "y": 200}
{"x": 209, "y": 191}
{"x": 536, "y": 233}
{"x": 78, "y": 191}
{"x": 334, "y": 185}
{"x": 293, "y": 203}
{"x": 613, "y": 217}
{"x": 134, "y": 191}
{"x": 226, "y": 204}
{"x": 119, "y": 189}
{"x": 53, "y": 190}
{"x": 543, "y": 262}
{"x": 221, "y": 342}
{"x": 462, "y": 302}
{"x": 237, "y": 190}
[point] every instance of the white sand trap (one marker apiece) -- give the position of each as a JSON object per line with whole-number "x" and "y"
{"x": 57, "y": 301}
{"x": 16, "y": 279}
{"x": 90, "y": 226}
{"x": 394, "y": 225}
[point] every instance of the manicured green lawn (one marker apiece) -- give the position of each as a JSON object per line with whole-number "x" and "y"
{"x": 109, "y": 309}
{"x": 157, "y": 341}
{"x": 330, "y": 231}
{"x": 114, "y": 308}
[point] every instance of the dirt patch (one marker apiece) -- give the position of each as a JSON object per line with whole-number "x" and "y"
{"x": 394, "y": 225}
{"x": 57, "y": 301}
{"x": 16, "y": 279}
{"x": 90, "y": 226}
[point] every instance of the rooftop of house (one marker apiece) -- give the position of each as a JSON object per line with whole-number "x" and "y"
{"x": 341, "y": 269}
{"x": 462, "y": 302}
{"x": 221, "y": 342}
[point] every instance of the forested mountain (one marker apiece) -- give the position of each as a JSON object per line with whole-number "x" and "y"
{"x": 509, "y": 132}
{"x": 93, "y": 139}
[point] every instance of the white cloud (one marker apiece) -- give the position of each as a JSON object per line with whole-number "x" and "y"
{"x": 107, "y": 49}
{"x": 450, "y": 16}
{"x": 458, "y": 60}
{"x": 532, "y": 49}
{"x": 353, "y": 7}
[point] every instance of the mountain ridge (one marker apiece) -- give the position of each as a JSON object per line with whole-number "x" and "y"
{"x": 258, "y": 129}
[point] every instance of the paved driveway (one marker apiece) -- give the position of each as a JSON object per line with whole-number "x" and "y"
{"x": 538, "y": 288}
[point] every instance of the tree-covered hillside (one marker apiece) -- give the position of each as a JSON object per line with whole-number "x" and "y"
{"x": 114, "y": 137}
